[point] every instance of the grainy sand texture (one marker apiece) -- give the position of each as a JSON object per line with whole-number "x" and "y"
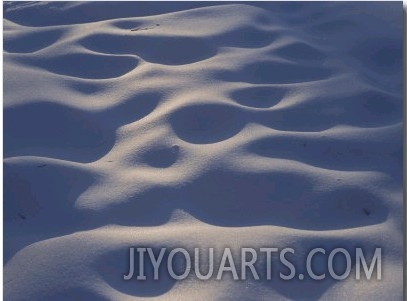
{"x": 200, "y": 125}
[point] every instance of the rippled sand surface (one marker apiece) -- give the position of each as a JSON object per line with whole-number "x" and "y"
{"x": 199, "y": 125}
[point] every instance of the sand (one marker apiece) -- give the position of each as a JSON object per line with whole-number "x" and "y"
{"x": 199, "y": 125}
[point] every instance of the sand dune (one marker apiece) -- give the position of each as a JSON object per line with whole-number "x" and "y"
{"x": 199, "y": 125}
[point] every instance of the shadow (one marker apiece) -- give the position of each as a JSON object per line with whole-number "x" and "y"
{"x": 29, "y": 42}
{"x": 268, "y": 72}
{"x": 279, "y": 198}
{"x": 207, "y": 123}
{"x": 113, "y": 265}
{"x": 85, "y": 65}
{"x": 174, "y": 50}
{"x": 51, "y": 130}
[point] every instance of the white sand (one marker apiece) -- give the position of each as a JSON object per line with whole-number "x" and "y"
{"x": 174, "y": 125}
